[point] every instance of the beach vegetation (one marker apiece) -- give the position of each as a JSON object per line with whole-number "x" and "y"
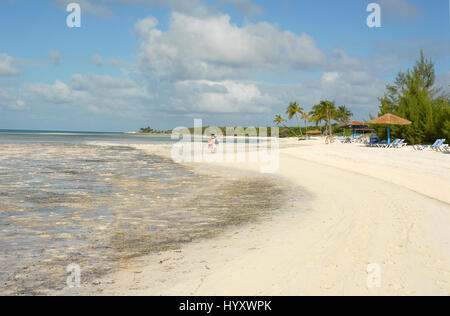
{"x": 149, "y": 130}
{"x": 343, "y": 114}
{"x": 146, "y": 130}
{"x": 327, "y": 112}
{"x": 414, "y": 96}
{"x": 279, "y": 120}
{"x": 294, "y": 110}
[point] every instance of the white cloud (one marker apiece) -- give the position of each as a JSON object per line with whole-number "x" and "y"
{"x": 9, "y": 99}
{"x": 57, "y": 93}
{"x": 208, "y": 65}
{"x": 330, "y": 76}
{"x": 339, "y": 60}
{"x": 211, "y": 48}
{"x": 357, "y": 90}
{"x": 104, "y": 87}
{"x": 204, "y": 65}
{"x": 221, "y": 97}
{"x": 7, "y": 67}
{"x": 91, "y": 92}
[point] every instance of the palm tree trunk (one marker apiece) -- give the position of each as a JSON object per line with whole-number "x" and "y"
{"x": 331, "y": 128}
{"x": 298, "y": 122}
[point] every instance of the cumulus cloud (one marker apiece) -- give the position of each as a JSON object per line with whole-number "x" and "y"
{"x": 91, "y": 92}
{"x": 339, "y": 60}
{"x": 212, "y": 48}
{"x": 202, "y": 65}
{"x": 10, "y": 100}
{"x": 222, "y": 97}
{"x": 7, "y": 67}
{"x": 57, "y": 93}
{"x": 399, "y": 9}
{"x": 208, "y": 65}
{"x": 103, "y": 86}
{"x": 330, "y": 76}
{"x": 357, "y": 90}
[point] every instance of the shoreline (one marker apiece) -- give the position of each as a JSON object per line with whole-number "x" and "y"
{"x": 357, "y": 216}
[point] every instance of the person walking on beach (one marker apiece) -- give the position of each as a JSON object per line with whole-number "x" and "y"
{"x": 210, "y": 144}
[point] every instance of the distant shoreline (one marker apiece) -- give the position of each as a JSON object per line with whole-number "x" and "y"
{"x": 152, "y": 134}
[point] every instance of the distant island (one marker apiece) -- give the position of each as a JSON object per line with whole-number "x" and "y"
{"x": 150, "y": 131}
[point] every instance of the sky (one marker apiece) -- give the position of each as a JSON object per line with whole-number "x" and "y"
{"x": 165, "y": 63}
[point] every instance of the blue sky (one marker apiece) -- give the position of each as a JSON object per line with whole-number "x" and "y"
{"x": 230, "y": 62}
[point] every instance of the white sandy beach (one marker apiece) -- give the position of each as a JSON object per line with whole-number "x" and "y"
{"x": 389, "y": 207}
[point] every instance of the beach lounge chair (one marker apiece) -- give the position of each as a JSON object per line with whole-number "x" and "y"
{"x": 385, "y": 144}
{"x": 380, "y": 144}
{"x": 440, "y": 146}
{"x": 436, "y": 143}
{"x": 400, "y": 144}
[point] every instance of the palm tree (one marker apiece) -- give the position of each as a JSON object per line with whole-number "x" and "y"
{"x": 325, "y": 111}
{"x": 295, "y": 110}
{"x": 279, "y": 120}
{"x": 317, "y": 115}
{"x": 330, "y": 109}
{"x": 343, "y": 114}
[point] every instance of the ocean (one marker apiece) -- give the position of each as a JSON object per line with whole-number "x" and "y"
{"x": 66, "y": 201}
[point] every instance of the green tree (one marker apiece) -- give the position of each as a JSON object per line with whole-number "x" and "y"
{"x": 413, "y": 96}
{"x": 318, "y": 115}
{"x": 325, "y": 111}
{"x": 147, "y": 130}
{"x": 295, "y": 110}
{"x": 343, "y": 114}
{"x": 279, "y": 120}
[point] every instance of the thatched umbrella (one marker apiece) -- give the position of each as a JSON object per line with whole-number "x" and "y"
{"x": 354, "y": 126}
{"x": 390, "y": 119}
{"x": 353, "y": 123}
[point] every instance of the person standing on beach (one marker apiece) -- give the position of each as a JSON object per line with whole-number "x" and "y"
{"x": 215, "y": 144}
